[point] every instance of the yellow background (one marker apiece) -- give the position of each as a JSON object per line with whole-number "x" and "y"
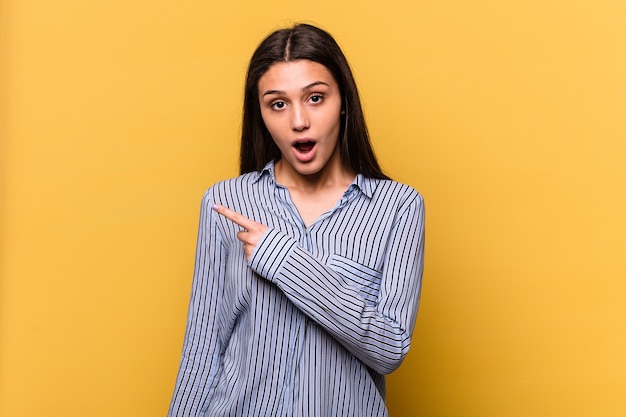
{"x": 509, "y": 117}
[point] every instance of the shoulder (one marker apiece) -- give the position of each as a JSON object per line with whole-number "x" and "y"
{"x": 232, "y": 184}
{"x": 396, "y": 193}
{"x": 401, "y": 201}
{"x": 232, "y": 190}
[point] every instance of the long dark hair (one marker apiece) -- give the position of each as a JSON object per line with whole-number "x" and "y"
{"x": 304, "y": 41}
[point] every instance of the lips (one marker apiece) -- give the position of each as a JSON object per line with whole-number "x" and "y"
{"x": 304, "y": 149}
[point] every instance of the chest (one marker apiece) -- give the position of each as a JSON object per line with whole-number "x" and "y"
{"x": 311, "y": 206}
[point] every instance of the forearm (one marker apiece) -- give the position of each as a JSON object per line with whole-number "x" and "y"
{"x": 377, "y": 331}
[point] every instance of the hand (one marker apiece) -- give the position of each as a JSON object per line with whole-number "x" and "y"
{"x": 252, "y": 232}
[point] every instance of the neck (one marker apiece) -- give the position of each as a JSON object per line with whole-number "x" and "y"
{"x": 334, "y": 174}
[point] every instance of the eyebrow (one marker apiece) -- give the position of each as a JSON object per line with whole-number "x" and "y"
{"x": 305, "y": 88}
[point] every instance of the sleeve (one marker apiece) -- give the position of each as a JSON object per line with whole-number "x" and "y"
{"x": 200, "y": 357}
{"x": 378, "y": 333}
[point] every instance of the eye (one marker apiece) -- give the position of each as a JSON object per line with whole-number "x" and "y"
{"x": 278, "y": 105}
{"x": 316, "y": 98}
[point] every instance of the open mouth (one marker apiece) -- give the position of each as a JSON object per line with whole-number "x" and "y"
{"x": 304, "y": 147}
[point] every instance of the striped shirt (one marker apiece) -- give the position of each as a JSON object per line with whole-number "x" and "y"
{"x": 311, "y": 323}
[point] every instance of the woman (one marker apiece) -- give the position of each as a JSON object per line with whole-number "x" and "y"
{"x": 309, "y": 264}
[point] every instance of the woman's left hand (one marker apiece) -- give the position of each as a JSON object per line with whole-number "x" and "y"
{"x": 251, "y": 233}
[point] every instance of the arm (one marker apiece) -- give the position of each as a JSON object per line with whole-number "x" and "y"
{"x": 200, "y": 357}
{"x": 378, "y": 333}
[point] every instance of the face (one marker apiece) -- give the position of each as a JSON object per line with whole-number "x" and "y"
{"x": 301, "y": 107}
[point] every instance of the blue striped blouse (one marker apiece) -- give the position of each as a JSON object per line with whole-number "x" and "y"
{"x": 313, "y": 321}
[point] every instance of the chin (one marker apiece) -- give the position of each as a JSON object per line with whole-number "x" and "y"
{"x": 308, "y": 172}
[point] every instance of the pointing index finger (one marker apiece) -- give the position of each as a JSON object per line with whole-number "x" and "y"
{"x": 233, "y": 216}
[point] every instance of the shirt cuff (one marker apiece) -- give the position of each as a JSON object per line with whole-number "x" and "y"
{"x": 270, "y": 254}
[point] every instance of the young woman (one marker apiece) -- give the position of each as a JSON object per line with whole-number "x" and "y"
{"x": 308, "y": 265}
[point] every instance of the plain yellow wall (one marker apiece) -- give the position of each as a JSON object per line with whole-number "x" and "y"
{"x": 509, "y": 116}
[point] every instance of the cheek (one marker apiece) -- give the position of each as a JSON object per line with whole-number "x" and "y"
{"x": 275, "y": 132}
{"x": 269, "y": 122}
{"x": 333, "y": 118}
{"x": 333, "y": 123}
{"x": 276, "y": 129}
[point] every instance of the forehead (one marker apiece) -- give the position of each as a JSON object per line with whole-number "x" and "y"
{"x": 284, "y": 76}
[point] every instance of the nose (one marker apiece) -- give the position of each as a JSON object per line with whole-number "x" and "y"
{"x": 299, "y": 118}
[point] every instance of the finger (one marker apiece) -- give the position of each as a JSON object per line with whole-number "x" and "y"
{"x": 243, "y": 236}
{"x": 235, "y": 217}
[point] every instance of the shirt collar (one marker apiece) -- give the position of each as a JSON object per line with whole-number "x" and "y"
{"x": 267, "y": 170}
{"x": 366, "y": 185}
